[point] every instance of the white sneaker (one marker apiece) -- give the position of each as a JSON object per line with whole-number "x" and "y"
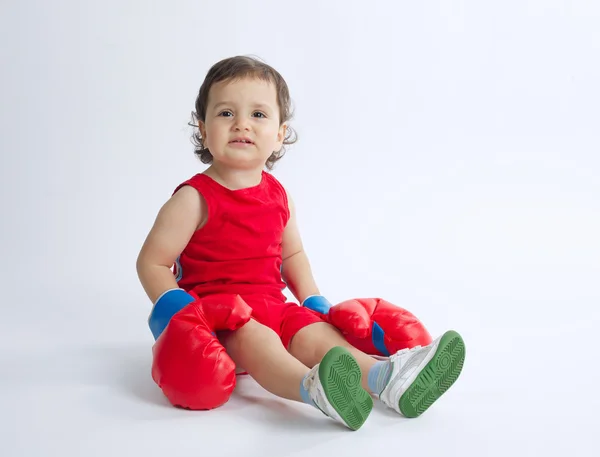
{"x": 422, "y": 374}
{"x": 334, "y": 385}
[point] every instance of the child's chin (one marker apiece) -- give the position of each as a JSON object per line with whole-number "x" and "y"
{"x": 243, "y": 160}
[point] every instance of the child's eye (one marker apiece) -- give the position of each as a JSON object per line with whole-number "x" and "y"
{"x": 224, "y": 113}
{"x": 258, "y": 113}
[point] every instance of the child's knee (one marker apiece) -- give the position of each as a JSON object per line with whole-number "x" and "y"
{"x": 312, "y": 336}
{"x": 248, "y": 335}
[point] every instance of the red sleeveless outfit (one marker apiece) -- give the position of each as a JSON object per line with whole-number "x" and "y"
{"x": 238, "y": 251}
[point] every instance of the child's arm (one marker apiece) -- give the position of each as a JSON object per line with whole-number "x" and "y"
{"x": 296, "y": 268}
{"x": 175, "y": 224}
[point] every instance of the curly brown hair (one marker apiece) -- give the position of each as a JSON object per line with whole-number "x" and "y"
{"x": 239, "y": 67}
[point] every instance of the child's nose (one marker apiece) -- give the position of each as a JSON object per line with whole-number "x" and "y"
{"x": 242, "y": 124}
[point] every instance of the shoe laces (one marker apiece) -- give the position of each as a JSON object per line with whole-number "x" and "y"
{"x": 309, "y": 379}
{"x": 404, "y": 356}
{"x": 406, "y": 350}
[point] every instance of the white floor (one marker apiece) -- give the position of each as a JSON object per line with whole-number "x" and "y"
{"x": 70, "y": 388}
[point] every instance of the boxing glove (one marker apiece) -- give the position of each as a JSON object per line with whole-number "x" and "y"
{"x": 372, "y": 325}
{"x": 189, "y": 364}
{"x": 377, "y": 327}
{"x": 317, "y": 303}
{"x": 167, "y": 305}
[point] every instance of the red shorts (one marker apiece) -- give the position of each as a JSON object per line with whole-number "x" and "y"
{"x": 286, "y": 319}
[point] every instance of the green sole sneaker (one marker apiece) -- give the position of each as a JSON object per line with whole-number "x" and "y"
{"x": 436, "y": 377}
{"x": 340, "y": 379}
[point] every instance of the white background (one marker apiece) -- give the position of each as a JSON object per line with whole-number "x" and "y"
{"x": 448, "y": 161}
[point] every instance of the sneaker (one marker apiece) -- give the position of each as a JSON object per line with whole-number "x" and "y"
{"x": 422, "y": 374}
{"x": 334, "y": 385}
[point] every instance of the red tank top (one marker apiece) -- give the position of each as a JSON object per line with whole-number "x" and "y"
{"x": 238, "y": 250}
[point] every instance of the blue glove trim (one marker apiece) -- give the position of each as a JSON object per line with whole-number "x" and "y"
{"x": 377, "y": 337}
{"x": 317, "y": 303}
{"x": 165, "y": 308}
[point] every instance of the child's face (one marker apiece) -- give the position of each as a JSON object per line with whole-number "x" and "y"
{"x": 245, "y": 108}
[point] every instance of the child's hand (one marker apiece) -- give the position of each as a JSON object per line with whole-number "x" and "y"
{"x": 378, "y": 327}
{"x": 190, "y": 365}
{"x": 373, "y": 325}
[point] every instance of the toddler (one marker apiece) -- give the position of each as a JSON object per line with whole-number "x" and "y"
{"x": 232, "y": 230}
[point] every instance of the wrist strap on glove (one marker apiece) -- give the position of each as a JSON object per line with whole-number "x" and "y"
{"x": 317, "y": 303}
{"x": 166, "y": 306}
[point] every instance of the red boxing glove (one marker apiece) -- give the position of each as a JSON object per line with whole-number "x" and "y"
{"x": 378, "y": 327}
{"x": 190, "y": 365}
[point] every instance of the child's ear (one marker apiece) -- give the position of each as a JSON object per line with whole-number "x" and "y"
{"x": 202, "y": 128}
{"x": 281, "y": 134}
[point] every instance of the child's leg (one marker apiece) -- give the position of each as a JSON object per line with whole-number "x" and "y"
{"x": 410, "y": 381}
{"x": 332, "y": 384}
{"x": 258, "y": 349}
{"x": 313, "y": 341}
